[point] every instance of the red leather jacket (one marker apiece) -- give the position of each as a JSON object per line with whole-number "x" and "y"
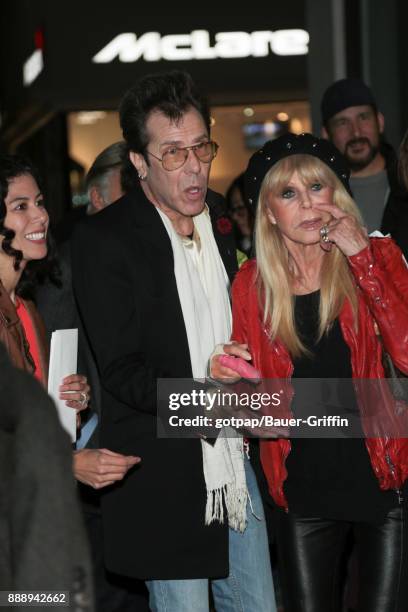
{"x": 381, "y": 276}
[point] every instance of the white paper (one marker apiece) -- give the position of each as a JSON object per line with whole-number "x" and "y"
{"x": 63, "y": 362}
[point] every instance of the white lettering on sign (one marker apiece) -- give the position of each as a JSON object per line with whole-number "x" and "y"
{"x": 152, "y": 47}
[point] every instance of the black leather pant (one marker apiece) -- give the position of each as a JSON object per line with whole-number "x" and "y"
{"x": 310, "y": 552}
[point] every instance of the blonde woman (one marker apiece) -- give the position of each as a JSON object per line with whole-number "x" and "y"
{"x": 308, "y": 307}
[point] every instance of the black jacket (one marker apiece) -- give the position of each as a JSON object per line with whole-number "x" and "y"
{"x": 57, "y": 307}
{"x": 58, "y": 310}
{"x": 43, "y": 545}
{"x": 124, "y": 280}
{"x": 395, "y": 217}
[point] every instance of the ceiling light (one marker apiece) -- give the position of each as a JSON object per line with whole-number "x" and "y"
{"x": 89, "y": 117}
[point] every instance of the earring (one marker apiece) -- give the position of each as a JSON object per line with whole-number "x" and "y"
{"x": 141, "y": 176}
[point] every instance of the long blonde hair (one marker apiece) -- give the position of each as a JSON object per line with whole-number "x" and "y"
{"x": 275, "y": 278}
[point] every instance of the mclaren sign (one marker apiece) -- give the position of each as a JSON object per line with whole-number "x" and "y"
{"x": 152, "y": 47}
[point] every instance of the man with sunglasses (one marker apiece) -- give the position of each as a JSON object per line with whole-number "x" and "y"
{"x": 151, "y": 276}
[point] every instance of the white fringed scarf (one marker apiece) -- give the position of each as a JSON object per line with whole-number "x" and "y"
{"x": 202, "y": 284}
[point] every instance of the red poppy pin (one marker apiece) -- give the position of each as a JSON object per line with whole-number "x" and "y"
{"x": 224, "y": 226}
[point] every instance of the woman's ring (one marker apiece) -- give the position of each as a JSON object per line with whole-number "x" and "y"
{"x": 324, "y": 233}
{"x": 84, "y": 398}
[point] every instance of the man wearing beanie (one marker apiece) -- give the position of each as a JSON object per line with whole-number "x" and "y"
{"x": 353, "y": 123}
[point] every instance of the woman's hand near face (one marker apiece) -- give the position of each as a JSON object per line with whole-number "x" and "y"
{"x": 344, "y": 230}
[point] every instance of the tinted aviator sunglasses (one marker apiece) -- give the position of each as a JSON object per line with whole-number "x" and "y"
{"x": 175, "y": 157}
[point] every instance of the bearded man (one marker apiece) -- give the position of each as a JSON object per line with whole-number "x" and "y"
{"x": 352, "y": 122}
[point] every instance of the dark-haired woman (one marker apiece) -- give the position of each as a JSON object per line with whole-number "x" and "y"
{"x": 309, "y": 306}
{"x": 25, "y": 254}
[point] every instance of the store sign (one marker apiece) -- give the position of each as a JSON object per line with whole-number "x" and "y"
{"x": 152, "y": 47}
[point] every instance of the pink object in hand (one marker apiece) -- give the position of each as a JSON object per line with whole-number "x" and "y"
{"x": 240, "y": 366}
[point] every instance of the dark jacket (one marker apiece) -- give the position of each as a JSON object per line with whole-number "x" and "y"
{"x": 58, "y": 310}
{"x": 57, "y": 307}
{"x": 395, "y": 217}
{"x": 382, "y": 278}
{"x": 42, "y": 540}
{"x": 124, "y": 280}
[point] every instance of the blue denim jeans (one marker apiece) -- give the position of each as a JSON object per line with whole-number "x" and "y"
{"x": 249, "y": 586}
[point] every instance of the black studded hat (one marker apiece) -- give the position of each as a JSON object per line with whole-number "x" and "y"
{"x": 292, "y": 144}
